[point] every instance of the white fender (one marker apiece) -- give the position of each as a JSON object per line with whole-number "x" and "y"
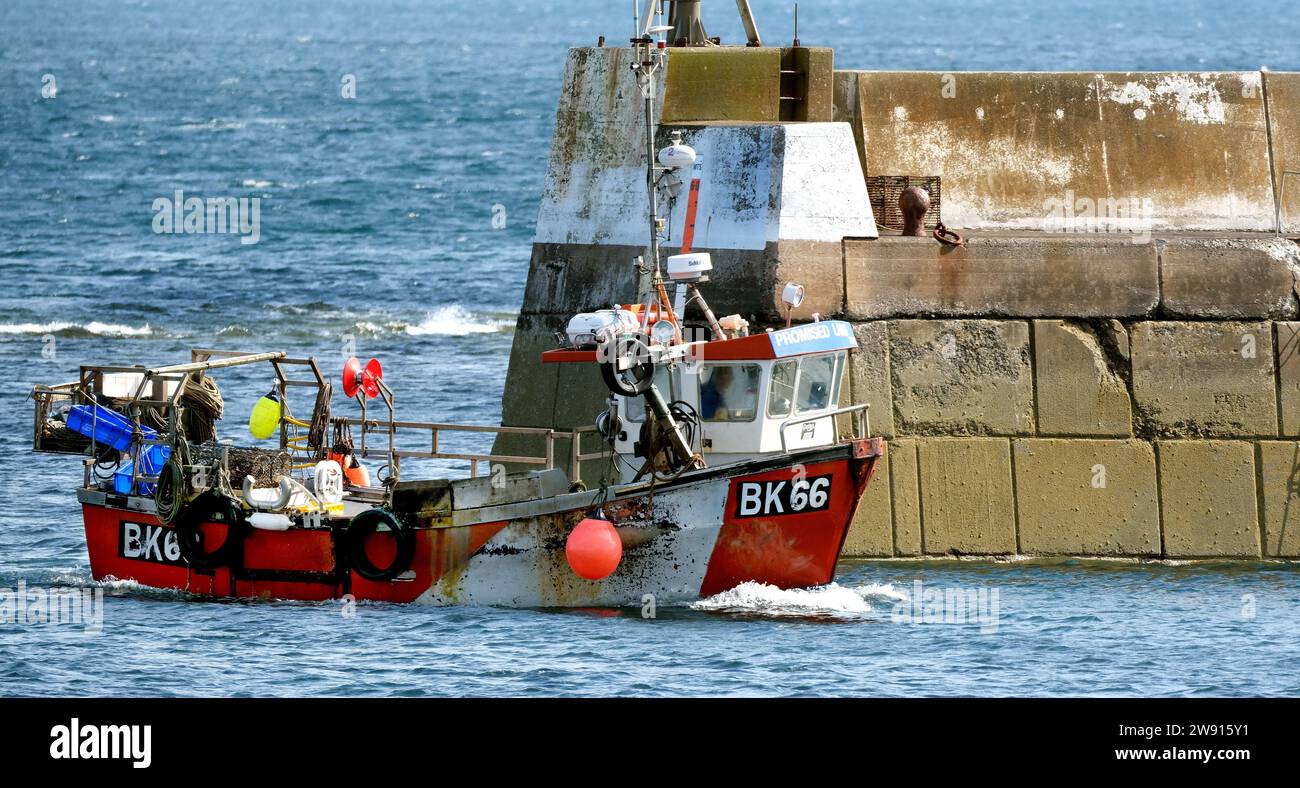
{"x": 260, "y": 497}
{"x": 268, "y": 521}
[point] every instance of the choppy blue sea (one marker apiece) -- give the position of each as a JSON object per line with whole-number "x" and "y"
{"x": 400, "y": 220}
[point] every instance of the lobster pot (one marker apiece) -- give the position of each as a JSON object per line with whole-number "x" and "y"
{"x": 266, "y": 466}
{"x": 55, "y": 436}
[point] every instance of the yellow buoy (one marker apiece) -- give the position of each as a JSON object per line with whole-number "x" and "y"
{"x": 265, "y": 418}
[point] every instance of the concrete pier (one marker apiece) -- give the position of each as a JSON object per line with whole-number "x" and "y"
{"x": 1107, "y": 368}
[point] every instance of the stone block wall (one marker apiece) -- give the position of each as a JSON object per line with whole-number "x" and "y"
{"x": 1080, "y": 423}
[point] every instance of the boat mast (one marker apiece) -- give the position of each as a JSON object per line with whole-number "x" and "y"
{"x": 650, "y": 58}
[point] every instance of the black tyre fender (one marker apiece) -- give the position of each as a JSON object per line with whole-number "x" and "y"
{"x": 643, "y": 372}
{"x": 360, "y": 529}
{"x": 211, "y": 507}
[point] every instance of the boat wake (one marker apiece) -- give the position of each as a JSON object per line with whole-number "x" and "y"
{"x": 832, "y": 600}
{"x": 79, "y": 578}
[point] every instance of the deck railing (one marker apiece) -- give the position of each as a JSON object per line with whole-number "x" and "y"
{"x": 161, "y": 388}
{"x": 434, "y": 430}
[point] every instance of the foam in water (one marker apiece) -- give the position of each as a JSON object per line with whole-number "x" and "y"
{"x": 94, "y": 327}
{"x": 453, "y": 320}
{"x": 765, "y": 599}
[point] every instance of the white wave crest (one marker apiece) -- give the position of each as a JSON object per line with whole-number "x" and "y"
{"x": 833, "y": 599}
{"x": 93, "y": 327}
{"x": 454, "y": 320}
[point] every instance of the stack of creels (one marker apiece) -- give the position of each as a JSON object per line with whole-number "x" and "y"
{"x": 266, "y": 466}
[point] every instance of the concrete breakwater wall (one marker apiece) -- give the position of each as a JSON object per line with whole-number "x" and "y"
{"x": 1077, "y": 382}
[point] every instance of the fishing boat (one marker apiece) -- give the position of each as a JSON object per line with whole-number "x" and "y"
{"x": 728, "y": 459}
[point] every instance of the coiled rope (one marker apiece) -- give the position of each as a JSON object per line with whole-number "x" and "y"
{"x": 198, "y": 411}
{"x": 320, "y": 420}
{"x": 203, "y": 407}
{"x": 173, "y": 492}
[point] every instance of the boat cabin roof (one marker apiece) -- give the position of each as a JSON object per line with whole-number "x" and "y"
{"x": 819, "y": 337}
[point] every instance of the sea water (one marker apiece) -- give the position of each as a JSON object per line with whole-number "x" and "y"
{"x": 395, "y": 152}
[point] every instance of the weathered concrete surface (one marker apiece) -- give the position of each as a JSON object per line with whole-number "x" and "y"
{"x": 872, "y": 531}
{"x": 596, "y": 150}
{"x": 1288, "y": 376}
{"x": 1228, "y": 278}
{"x": 846, "y": 109}
{"x": 1016, "y": 150}
{"x": 580, "y": 395}
{"x": 1207, "y": 499}
{"x": 571, "y": 278}
{"x": 999, "y": 275}
{"x": 869, "y": 380}
{"x": 749, "y": 282}
{"x": 759, "y": 183}
{"x": 961, "y": 377}
{"x": 531, "y": 401}
{"x": 1080, "y": 392}
{"x": 816, "y": 202}
{"x": 1279, "y": 470}
{"x": 726, "y": 84}
{"x": 967, "y": 500}
{"x": 818, "y": 265}
{"x": 905, "y": 495}
{"x": 1087, "y": 497}
{"x": 734, "y": 85}
{"x": 1283, "y": 93}
{"x": 1204, "y": 379}
{"x": 534, "y": 399}
{"x": 813, "y": 83}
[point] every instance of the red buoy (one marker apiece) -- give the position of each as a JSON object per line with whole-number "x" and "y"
{"x": 593, "y": 549}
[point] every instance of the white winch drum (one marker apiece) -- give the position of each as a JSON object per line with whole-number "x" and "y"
{"x": 328, "y": 482}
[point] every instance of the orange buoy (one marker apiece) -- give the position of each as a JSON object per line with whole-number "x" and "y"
{"x": 356, "y": 473}
{"x": 353, "y": 470}
{"x": 593, "y": 548}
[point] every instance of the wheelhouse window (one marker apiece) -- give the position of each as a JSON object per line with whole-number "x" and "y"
{"x": 729, "y": 392}
{"x": 818, "y": 383}
{"x": 781, "y": 395}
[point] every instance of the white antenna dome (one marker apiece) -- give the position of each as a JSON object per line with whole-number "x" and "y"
{"x": 677, "y": 156}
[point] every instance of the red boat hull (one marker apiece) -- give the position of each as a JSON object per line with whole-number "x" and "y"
{"x": 782, "y": 525}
